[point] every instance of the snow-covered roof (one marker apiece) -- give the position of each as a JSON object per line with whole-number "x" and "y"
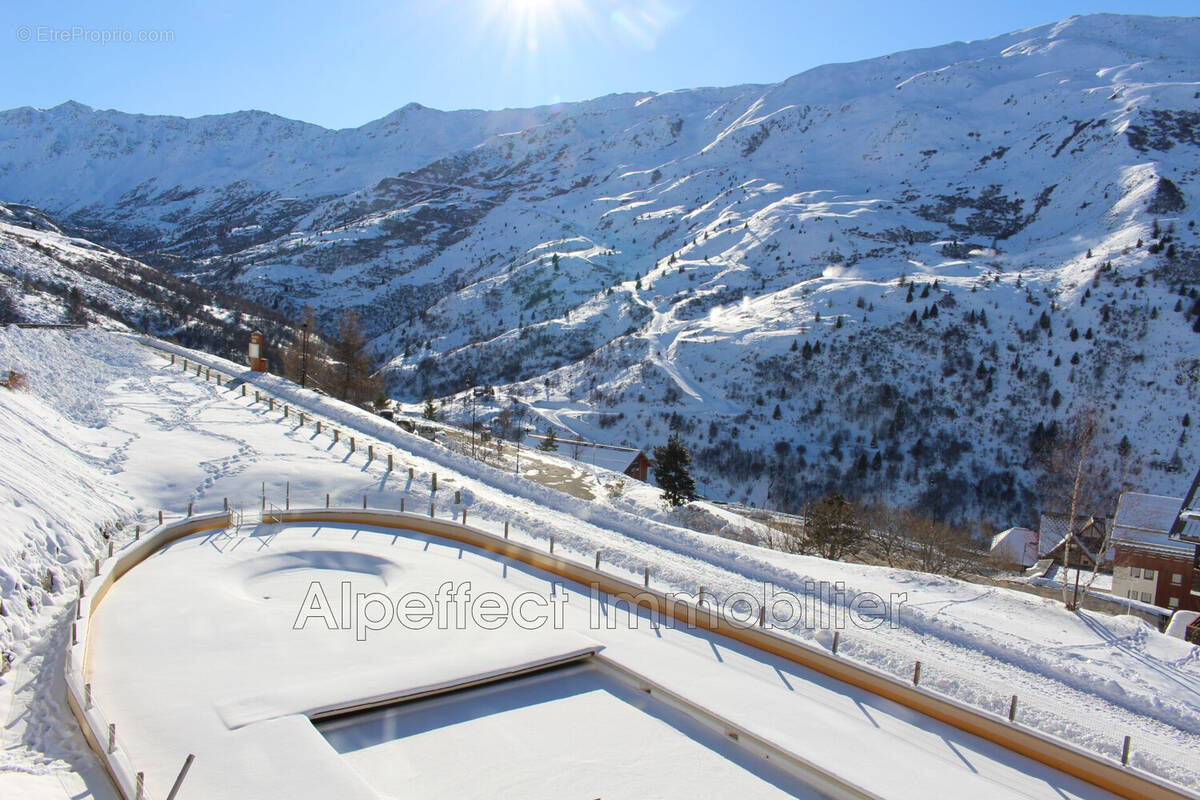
{"x": 1053, "y": 529}
{"x": 604, "y": 456}
{"x": 1145, "y": 521}
{"x": 1015, "y": 545}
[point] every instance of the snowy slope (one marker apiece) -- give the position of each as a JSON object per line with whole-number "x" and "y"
{"x": 644, "y": 261}
{"x": 149, "y": 436}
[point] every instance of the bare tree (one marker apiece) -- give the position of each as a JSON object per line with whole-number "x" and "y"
{"x": 832, "y": 528}
{"x": 1077, "y": 478}
{"x": 887, "y": 529}
{"x": 353, "y": 380}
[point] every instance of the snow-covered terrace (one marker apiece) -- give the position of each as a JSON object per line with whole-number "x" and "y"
{"x": 220, "y": 645}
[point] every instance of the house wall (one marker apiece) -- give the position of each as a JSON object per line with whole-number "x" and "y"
{"x": 1129, "y": 575}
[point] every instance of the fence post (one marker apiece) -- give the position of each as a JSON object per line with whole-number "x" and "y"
{"x": 141, "y": 786}
{"x": 435, "y": 481}
{"x": 552, "y": 545}
{"x": 762, "y": 616}
{"x": 243, "y": 390}
{"x": 351, "y": 444}
{"x": 364, "y": 501}
{"x": 110, "y": 548}
{"x": 137, "y": 532}
{"x": 318, "y": 426}
{"x": 646, "y": 577}
{"x": 464, "y": 522}
{"x": 431, "y": 510}
{"x": 256, "y": 398}
{"x": 1125, "y": 752}
{"x": 410, "y": 473}
{"x": 190, "y": 502}
{"x": 286, "y": 410}
{"x": 836, "y": 636}
{"x": 505, "y": 529}
{"x": 112, "y": 737}
{"x": 287, "y": 498}
{"x": 402, "y": 505}
{"x": 226, "y": 502}
{"x": 160, "y": 516}
{"x": 389, "y": 462}
{"x": 700, "y": 599}
{"x": 370, "y": 453}
{"x": 301, "y": 419}
{"x": 327, "y": 499}
{"x": 264, "y": 495}
{"x": 336, "y": 435}
{"x": 457, "y": 497}
{"x": 187, "y": 764}
{"x": 87, "y": 696}
{"x": 916, "y": 673}
{"x": 97, "y": 566}
{"x": 597, "y": 559}
{"x": 1012, "y": 709}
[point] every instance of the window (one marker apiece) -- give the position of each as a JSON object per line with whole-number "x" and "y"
{"x": 1146, "y": 597}
{"x": 1148, "y": 574}
{"x": 1176, "y": 579}
{"x": 1135, "y": 572}
{"x": 1131, "y": 594}
{"x": 1172, "y": 602}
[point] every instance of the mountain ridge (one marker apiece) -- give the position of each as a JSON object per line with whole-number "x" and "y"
{"x": 650, "y": 261}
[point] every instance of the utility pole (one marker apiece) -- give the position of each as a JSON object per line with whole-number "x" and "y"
{"x": 303, "y": 354}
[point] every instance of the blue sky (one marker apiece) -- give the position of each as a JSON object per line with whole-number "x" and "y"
{"x": 344, "y": 64}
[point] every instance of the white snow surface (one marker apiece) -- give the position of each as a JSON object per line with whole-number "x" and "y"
{"x": 109, "y": 428}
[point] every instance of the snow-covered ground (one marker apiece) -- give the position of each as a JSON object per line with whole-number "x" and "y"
{"x": 129, "y": 432}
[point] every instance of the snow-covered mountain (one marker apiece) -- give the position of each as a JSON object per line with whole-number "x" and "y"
{"x": 891, "y": 276}
{"x": 49, "y": 277}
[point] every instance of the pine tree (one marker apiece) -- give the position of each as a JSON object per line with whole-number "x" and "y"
{"x": 429, "y": 412}
{"x": 353, "y": 381}
{"x": 671, "y": 462}
{"x": 550, "y": 441}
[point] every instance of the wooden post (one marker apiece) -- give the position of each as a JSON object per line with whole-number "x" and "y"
{"x": 287, "y": 497}
{"x": 836, "y": 636}
{"x": 327, "y": 499}
{"x": 187, "y": 764}
{"x": 226, "y": 503}
{"x": 402, "y": 505}
{"x": 646, "y": 577}
{"x": 351, "y": 444}
{"x": 1125, "y": 752}
{"x": 185, "y": 365}
{"x": 97, "y": 566}
{"x": 389, "y": 462}
{"x": 112, "y": 737}
{"x": 190, "y": 502}
{"x": 1012, "y": 709}
{"x": 464, "y": 522}
{"x": 141, "y": 786}
{"x": 410, "y": 473}
{"x": 370, "y": 453}
{"x": 435, "y": 481}
{"x": 160, "y": 516}
{"x": 271, "y": 403}
{"x": 318, "y": 426}
{"x": 256, "y": 398}
{"x": 597, "y": 559}
{"x": 172, "y": 358}
{"x": 243, "y": 390}
{"x": 505, "y": 529}
{"x": 286, "y": 410}
{"x": 457, "y": 497}
{"x": 431, "y": 510}
{"x": 137, "y": 532}
{"x": 264, "y": 495}
{"x": 301, "y": 419}
{"x": 916, "y": 673}
{"x": 762, "y": 616}
{"x": 551, "y": 545}
{"x": 336, "y": 435}
{"x": 87, "y": 696}
{"x": 74, "y": 634}
{"x": 364, "y": 501}
{"x": 700, "y": 599}
{"x": 110, "y": 548}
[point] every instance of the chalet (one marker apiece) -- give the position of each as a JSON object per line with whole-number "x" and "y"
{"x": 627, "y": 460}
{"x": 1015, "y": 547}
{"x": 1151, "y": 565}
{"x": 1087, "y": 545}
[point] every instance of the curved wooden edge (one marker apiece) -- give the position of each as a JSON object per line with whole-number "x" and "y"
{"x": 120, "y": 771}
{"x": 1039, "y": 747}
